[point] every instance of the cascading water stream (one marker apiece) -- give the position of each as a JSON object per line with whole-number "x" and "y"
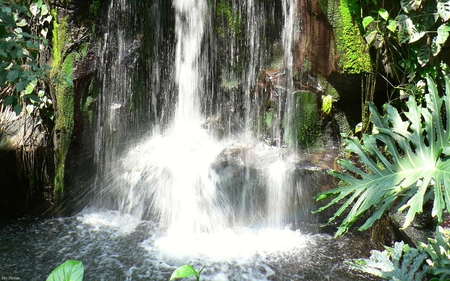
{"x": 287, "y": 40}
{"x": 174, "y": 175}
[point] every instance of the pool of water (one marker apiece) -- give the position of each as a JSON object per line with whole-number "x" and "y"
{"x": 116, "y": 246}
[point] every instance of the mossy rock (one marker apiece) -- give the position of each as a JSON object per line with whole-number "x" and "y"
{"x": 306, "y": 123}
{"x": 351, "y": 51}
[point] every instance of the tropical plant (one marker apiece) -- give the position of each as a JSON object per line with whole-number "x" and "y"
{"x": 404, "y": 263}
{"x": 408, "y": 36}
{"x": 70, "y": 270}
{"x": 400, "y": 263}
{"x": 186, "y": 271}
{"x": 438, "y": 250}
{"x": 403, "y": 164}
{"x": 23, "y": 32}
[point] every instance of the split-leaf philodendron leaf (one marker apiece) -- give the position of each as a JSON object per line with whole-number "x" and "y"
{"x": 403, "y": 162}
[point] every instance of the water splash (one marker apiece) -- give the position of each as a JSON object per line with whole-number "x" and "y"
{"x": 171, "y": 176}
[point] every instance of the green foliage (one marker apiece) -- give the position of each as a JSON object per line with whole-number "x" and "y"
{"x": 406, "y": 162}
{"x": 438, "y": 250}
{"x": 402, "y": 263}
{"x": 327, "y": 104}
{"x": 230, "y": 17}
{"x": 410, "y": 36}
{"x": 185, "y": 271}
{"x": 94, "y": 7}
{"x": 20, "y": 72}
{"x": 62, "y": 75}
{"x": 70, "y": 270}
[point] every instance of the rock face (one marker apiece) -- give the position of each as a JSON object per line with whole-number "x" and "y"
{"x": 26, "y": 164}
{"x": 314, "y": 51}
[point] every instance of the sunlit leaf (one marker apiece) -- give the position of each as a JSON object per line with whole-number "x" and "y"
{"x": 22, "y": 22}
{"x": 392, "y": 25}
{"x": 29, "y": 108}
{"x": 366, "y": 21}
{"x": 370, "y": 37}
{"x": 399, "y": 263}
{"x": 416, "y": 33}
{"x": 184, "y": 271}
{"x": 44, "y": 10}
{"x": 435, "y": 48}
{"x": 443, "y": 7}
{"x": 70, "y": 270}
{"x": 34, "y": 9}
{"x": 383, "y": 13}
{"x": 442, "y": 34}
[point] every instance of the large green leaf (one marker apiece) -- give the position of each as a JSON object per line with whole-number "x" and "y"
{"x": 185, "y": 271}
{"x": 403, "y": 163}
{"x": 70, "y": 270}
{"x": 408, "y": 31}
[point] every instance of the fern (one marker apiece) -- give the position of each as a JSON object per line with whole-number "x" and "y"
{"x": 400, "y": 263}
{"x": 414, "y": 169}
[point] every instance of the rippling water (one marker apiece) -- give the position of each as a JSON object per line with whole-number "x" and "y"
{"x": 115, "y": 246}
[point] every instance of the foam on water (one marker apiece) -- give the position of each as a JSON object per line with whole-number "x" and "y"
{"x": 241, "y": 244}
{"x": 119, "y": 224}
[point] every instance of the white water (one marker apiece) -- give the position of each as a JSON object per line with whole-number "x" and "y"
{"x": 171, "y": 175}
{"x": 289, "y": 8}
{"x": 175, "y": 175}
{"x": 279, "y": 178}
{"x": 189, "y": 30}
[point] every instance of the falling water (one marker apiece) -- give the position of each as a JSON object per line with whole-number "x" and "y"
{"x": 182, "y": 174}
{"x": 189, "y": 30}
{"x": 279, "y": 192}
{"x": 287, "y": 39}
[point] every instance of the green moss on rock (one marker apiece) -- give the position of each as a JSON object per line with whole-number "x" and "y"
{"x": 306, "y": 131}
{"x": 62, "y": 74}
{"x": 351, "y": 50}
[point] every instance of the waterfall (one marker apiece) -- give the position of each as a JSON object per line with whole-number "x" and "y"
{"x": 280, "y": 192}
{"x": 171, "y": 166}
{"x": 290, "y": 136}
{"x": 189, "y": 30}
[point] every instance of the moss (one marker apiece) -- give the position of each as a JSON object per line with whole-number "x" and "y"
{"x": 62, "y": 76}
{"x": 306, "y": 125}
{"x": 269, "y": 117}
{"x": 351, "y": 50}
{"x": 225, "y": 10}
